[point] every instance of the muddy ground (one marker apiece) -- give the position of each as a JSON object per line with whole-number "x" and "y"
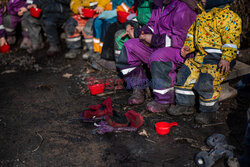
{"x": 40, "y": 126}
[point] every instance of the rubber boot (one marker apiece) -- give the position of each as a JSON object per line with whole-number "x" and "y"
{"x": 11, "y": 40}
{"x": 177, "y": 110}
{"x": 205, "y": 117}
{"x": 88, "y": 54}
{"x": 153, "y": 106}
{"x": 244, "y": 160}
{"x": 35, "y": 47}
{"x": 26, "y": 43}
{"x": 102, "y": 64}
{"x": 54, "y": 49}
{"x": 137, "y": 97}
{"x": 72, "y": 53}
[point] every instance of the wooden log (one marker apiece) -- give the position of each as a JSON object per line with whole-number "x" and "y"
{"x": 244, "y": 56}
{"x": 240, "y": 69}
{"x": 227, "y": 92}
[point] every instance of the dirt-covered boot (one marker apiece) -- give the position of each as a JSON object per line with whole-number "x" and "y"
{"x": 153, "y": 106}
{"x": 11, "y": 40}
{"x": 72, "y": 53}
{"x": 26, "y": 43}
{"x": 88, "y": 54}
{"x": 137, "y": 97}
{"x": 102, "y": 64}
{"x": 177, "y": 110}
{"x": 205, "y": 117}
{"x": 35, "y": 47}
{"x": 244, "y": 160}
{"x": 53, "y": 49}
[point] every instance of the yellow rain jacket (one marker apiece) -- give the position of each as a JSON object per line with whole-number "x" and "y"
{"x": 75, "y": 4}
{"x": 216, "y": 31}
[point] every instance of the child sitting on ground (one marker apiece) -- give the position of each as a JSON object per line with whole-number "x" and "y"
{"x": 78, "y": 24}
{"x": 12, "y": 18}
{"x": 214, "y": 38}
{"x": 104, "y": 20}
{"x": 54, "y": 15}
{"x": 119, "y": 33}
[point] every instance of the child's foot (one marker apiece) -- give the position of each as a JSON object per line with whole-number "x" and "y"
{"x": 137, "y": 97}
{"x": 11, "y": 40}
{"x": 26, "y": 43}
{"x": 205, "y": 117}
{"x": 54, "y": 49}
{"x": 244, "y": 160}
{"x": 177, "y": 110}
{"x": 88, "y": 54}
{"x": 153, "y": 106}
{"x": 72, "y": 53}
{"x": 104, "y": 64}
{"x": 33, "y": 48}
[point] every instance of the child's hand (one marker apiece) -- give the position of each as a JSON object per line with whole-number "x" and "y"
{"x": 22, "y": 10}
{"x": 145, "y": 38}
{"x": 224, "y": 65}
{"x": 184, "y": 51}
{"x": 32, "y": 6}
{"x": 99, "y": 9}
{"x": 2, "y": 41}
{"x": 129, "y": 32}
{"x": 79, "y": 28}
{"x": 79, "y": 9}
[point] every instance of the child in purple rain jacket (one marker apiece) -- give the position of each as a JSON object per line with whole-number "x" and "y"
{"x": 3, "y": 5}
{"x": 12, "y": 18}
{"x": 158, "y": 46}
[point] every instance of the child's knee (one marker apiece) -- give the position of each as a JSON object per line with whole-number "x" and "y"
{"x": 70, "y": 26}
{"x": 182, "y": 75}
{"x": 205, "y": 86}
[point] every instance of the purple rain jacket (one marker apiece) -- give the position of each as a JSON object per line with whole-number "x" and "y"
{"x": 169, "y": 25}
{"x": 2, "y": 31}
{"x": 14, "y": 6}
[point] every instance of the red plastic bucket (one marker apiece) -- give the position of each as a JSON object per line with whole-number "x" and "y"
{"x": 89, "y": 13}
{"x": 96, "y": 89}
{"x": 122, "y": 16}
{"x": 163, "y": 128}
{"x": 35, "y": 12}
{"x": 5, "y": 48}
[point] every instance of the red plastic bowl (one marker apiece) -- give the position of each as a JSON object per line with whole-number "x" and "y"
{"x": 5, "y": 48}
{"x": 96, "y": 89}
{"x": 89, "y": 13}
{"x": 35, "y": 12}
{"x": 163, "y": 128}
{"x": 122, "y": 16}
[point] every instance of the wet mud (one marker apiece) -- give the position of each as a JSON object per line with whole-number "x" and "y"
{"x": 40, "y": 126}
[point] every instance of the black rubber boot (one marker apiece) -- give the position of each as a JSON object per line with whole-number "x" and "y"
{"x": 205, "y": 117}
{"x": 177, "y": 110}
{"x": 244, "y": 160}
{"x": 137, "y": 97}
{"x": 72, "y": 53}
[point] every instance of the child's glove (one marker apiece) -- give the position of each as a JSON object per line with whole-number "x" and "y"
{"x": 108, "y": 14}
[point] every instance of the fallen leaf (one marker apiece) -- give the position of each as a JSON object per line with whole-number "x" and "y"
{"x": 44, "y": 87}
{"x": 90, "y": 71}
{"x": 8, "y": 71}
{"x": 143, "y": 133}
{"x": 67, "y": 75}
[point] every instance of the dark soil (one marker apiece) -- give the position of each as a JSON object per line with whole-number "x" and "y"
{"x": 37, "y": 102}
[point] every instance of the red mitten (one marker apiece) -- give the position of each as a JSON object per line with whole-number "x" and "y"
{"x": 135, "y": 119}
